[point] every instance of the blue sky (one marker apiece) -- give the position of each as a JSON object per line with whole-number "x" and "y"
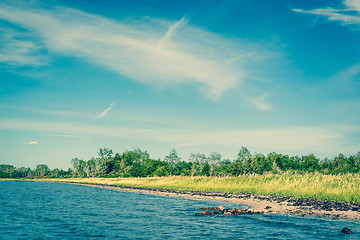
{"x": 198, "y": 76}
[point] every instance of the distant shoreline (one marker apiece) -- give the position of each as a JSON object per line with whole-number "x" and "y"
{"x": 270, "y": 204}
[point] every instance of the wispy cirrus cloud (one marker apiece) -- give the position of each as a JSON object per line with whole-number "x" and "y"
{"x": 32, "y": 143}
{"x": 60, "y": 135}
{"x": 47, "y": 112}
{"x": 350, "y": 14}
{"x": 172, "y": 31}
{"x": 344, "y": 83}
{"x": 101, "y": 115}
{"x": 259, "y": 102}
{"x": 150, "y": 51}
{"x": 17, "y": 49}
{"x": 347, "y": 80}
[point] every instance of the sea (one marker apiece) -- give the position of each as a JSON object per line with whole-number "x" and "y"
{"x": 42, "y": 210}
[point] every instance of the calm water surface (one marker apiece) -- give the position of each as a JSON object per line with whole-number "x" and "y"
{"x": 32, "y": 210}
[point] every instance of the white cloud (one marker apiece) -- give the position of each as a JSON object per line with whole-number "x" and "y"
{"x": 150, "y": 51}
{"x": 72, "y": 115}
{"x": 259, "y": 102}
{"x": 16, "y": 50}
{"x": 60, "y": 135}
{"x": 344, "y": 83}
{"x": 172, "y": 31}
{"x": 32, "y": 143}
{"x": 349, "y": 15}
{"x": 353, "y": 4}
{"x": 347, "y": 80}
{"x": 101, "y": 115}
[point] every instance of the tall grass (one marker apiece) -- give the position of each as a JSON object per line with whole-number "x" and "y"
{"x": 342, "y": 187}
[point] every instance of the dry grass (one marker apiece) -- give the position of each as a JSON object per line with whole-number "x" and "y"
{"x": 344, "y": 187}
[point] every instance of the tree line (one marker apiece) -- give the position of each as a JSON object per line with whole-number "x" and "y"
{"x": 137, "y": 163}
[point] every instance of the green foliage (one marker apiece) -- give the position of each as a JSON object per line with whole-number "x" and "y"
{"x": 137, "y": 163}
{"x": 173, "y": 157}
{"x": 41, "y": 171}
{"x": 7, "y": 171}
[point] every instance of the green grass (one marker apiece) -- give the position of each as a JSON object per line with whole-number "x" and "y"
{"x": 344, "y": 187}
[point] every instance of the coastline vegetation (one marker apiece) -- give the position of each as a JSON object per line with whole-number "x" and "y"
{"x": 137, "y": 163}
{"x": 340, "y": 187}
{"x": 337, "y": 179}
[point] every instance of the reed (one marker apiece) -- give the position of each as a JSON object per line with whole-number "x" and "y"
{"x": 342, "y": 187}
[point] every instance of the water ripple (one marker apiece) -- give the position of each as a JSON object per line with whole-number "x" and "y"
{"x": 32, "y": 210}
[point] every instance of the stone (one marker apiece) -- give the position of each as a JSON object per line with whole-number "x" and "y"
{"x": 206, "y": 212}
{"x": 250, "y": 211}
{"x": 232, "y": 210}
{"x": 346, "y": 231}
{"x": 257, "y": 211}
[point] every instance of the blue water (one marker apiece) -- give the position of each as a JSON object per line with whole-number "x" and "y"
{"x": 32, "y": 210}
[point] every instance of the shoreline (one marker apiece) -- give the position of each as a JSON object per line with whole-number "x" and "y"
{"x": 269, "y": 204}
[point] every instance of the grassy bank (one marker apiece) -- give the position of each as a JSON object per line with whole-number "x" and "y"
{"x": 344, "y": 187}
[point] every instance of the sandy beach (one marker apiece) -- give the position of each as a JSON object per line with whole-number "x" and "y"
{"x": 269, "y": 204}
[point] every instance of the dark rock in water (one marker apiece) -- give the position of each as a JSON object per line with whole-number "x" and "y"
{"x": 346, "y": 231}
{"x": 232, "y": 211}
{"x": 206, "y": 212}
{"x": 227, "y": 213}
{"x": 220, "y": 208}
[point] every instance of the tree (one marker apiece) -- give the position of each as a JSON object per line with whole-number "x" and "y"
{"x": 183, "y": 168}
{"x": 277, "y": 161}
{"x": 310, "y": 163}
{"x": 21, "y": 172}
{"x": 259, "y": 164}
{"x": 355, "y": 163}
{"x": 214, "y": 159}
{"x": 78, "y": 167}
{"x": 173, "y": 157}
{"x": 244, "y": 154}
{"x": 243, "y": 160}
{"x": 198, "y": 160}
{"x": 75, "y": 162}
{"x": 225, "y": 168}
{"x": 6, "y": 170}
{"x": 105, "y": 154}
{"x": 161, "y": 171}
{"x": 90, "y": 168}
{"x": 41, "y": 170}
